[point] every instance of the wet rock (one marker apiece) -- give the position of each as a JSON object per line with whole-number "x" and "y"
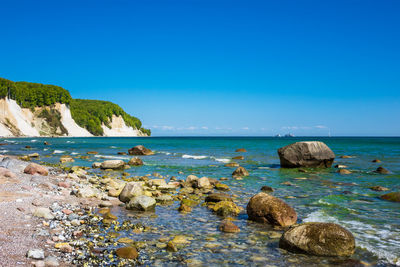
{"x": 7, "y": 173}
{"x": 392, "y": 196}
{"x": 42, "y": 212}
{"x": 240, "y": 172}
{"x": 164, "y": 199}
{"x": 238, "y": 158}
{"x": 135, "y": 162}
{"x": 34, "y": 155}
{"x": 226, "y": 208}
{"x": 232, "y": 164}
{"x": 140, "y": 151}
{"x": 266, "y": 188}
{"x": 191, "y": 180}
{"x": 142, "y": 203}
{"x": 339, "y": 166}
{"x": 34, "y": 168}
{"x": 96, "y": 165}
{"x": 240, "y": 150}
{"x": 306, "y": 154}
{"x": 157, "y": 182}
{"x": 46, "y": 143}
{"x": 203, "y": 182}
{"x": 379, "y": 188}
{"x": 343, "y": 171}
{"x": 66, "y": 159}
{"x": 265, "y": 208}
{"x": 105, "y": 204}
{"x": 36, "y": 254}
{"x": 131, "y": 190}
{"x": 127, "y": 253}
{"x": 24, "y": 158}
{"x": 113, "y": 164}
{"x": 92, "y": 152}
{"x": 217, "y": 197}
{"x": 178, "y": 242}
{"x": 382, "y": 170}
{"x": 184, "y": 208}
{"x": 121, "y": 153}
{"x": 315, "y": 238}
{"x": 376, "y": 161}
{"x": 228, "y": 226}
{"x": 222, "y": 187}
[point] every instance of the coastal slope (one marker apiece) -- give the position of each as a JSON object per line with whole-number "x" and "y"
{"x": 32, "y": 109}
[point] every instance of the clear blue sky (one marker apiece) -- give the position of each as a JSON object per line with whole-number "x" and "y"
{"x": 210, "y": 67}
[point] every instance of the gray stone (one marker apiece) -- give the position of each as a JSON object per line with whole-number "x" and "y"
{"x": 112, "y": 164}
{"x": 142, "y": 203}
{"x": 36, "y": 254}
{"x": 130, "y": 190}
{"x": 306, "y": 154}
{"x": 42, "y": 212}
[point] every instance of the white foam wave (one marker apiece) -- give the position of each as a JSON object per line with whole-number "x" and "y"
{"x": 33, "y": 140}
{"x": 45, "y": 149}
{"x": 74, "y": 153}
{"x": 193, "y": 157}
{"x": 70, "y": 142}
{"x": 4, "y": 151}
{"x": 110, "y": 157}
{"x": 164, "y": 152}
{"x": 382, "y": 241}
{"x": 113, "y": 147}
{"x": 10, "y": 141}
{"x": 223, "y": 160}
{"x": 58, "y": 151}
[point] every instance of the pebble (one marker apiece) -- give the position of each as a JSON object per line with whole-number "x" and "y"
{"x": 36, "y": 254}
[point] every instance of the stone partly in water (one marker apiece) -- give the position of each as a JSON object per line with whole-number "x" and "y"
{"x": 130, "y": 253}
{"x": 267, "y": 188}
{"x": 238, "y": 158}
{"x": 306, "y": 154}
{"x": 232, "y": 164}
{"x": 217, "y": 197}
{"x": 131, "y": 190}
{"x": 66, "y": 159}
{"x": 265, "y": 208}
{"x": 226, "y": 208}
{"x": 178, "y": 242}
{"x": 96, "y": 165}
{"x": 382, "y": 170}
{"x": 228, "y": 226}
{"x": 321, "y": 239}
{"x": 240, "y": 172}
{"x": 113, "y": 164}
{"x": 143, "y": 203}
{"x": 135, "y": 162}
{"x": 34, "y": 168}
{"x": 203, "y": 182}
{"x": 240, "y": 150}
{"x": 378, "y": 188}
{"x": 376, "y": 161}
{"x": 343, "y": 171}
{"x": 140, "y": 151}
{"x": 392, "y": 196}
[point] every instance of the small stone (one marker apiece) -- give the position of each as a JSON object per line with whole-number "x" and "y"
{"x": 241, "y": 150}
{"x": 142, "y": 203}
{"x": 51, "y": 261}
{"x": 240, "y": 172}
{"x": 376, "y": 161}
{"x": 228, "y": 226}
{"x": 379, "y": 188}
{"x": 266, "y": 188}
{"x": 135, "y": 162}
{"x": 232, "y": 164}
{"x": 382, "y": 170}
{"x": 222, "y": 187}
{"x": 343, "y": 171}
{"x": 36, "y": 254}
{"x": 42, "y": 212}
{"x": 34, "y": 168}
{"x": 127, "y": 253}
{"x": 105, "y": 204}
{"x": 238, "y": 158}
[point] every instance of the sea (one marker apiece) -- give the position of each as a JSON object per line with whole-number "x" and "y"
{"x": 318, "y": 195}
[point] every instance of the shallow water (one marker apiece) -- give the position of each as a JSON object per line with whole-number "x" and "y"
{"x": 320, "y": 196}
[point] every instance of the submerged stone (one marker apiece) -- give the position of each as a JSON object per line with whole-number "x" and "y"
{"x": 127, "y": 253}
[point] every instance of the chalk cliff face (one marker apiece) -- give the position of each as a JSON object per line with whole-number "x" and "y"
{"x": 51, "y": 121}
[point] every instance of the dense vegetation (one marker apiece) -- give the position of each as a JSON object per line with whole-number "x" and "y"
{"x": 29, "y": 95}
{"x": 89, "y": 114}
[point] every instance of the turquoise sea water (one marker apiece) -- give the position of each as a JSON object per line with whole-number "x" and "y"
{"x": 319, "y": 195}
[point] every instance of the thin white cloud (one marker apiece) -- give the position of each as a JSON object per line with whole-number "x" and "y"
{"x": 246, "y": 128}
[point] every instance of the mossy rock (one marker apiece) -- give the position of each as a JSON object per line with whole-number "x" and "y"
{"x": 127, "y": 253}
{"x": 226, "y": 208}
{"x": 392, "y": 196}
{"x": 189, "y": 202}
{"x": 222, "y": 187}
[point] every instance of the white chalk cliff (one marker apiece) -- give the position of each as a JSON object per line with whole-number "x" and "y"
{"x": 17, "y": 121}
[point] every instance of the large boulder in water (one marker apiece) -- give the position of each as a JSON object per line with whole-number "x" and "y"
{"x": 265, "y": 208}
{"x": 140, "y": 151}
{"x": 142, "y": 203}
{"x": 306, "y": 154}
{"x": 392, "y": 196}
{"x": 321, "y": 239}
